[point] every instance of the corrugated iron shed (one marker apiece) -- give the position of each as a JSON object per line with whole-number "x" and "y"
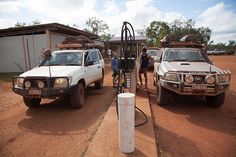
{"x": 42, "y": 28}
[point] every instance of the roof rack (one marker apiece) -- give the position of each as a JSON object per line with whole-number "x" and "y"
{"x": 77, "y": 42}
{"x": 78, "y": 46}
{"x": 187, "y": 41}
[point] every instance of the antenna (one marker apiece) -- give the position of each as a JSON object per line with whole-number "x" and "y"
{"x": 49, "y": 67}
{"x": 210, "y": 68}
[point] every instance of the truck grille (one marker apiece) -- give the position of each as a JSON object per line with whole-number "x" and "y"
{"x": 198, "y": 78}
{"x": 48, "y": 83}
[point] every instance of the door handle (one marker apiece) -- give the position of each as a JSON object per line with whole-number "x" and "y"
{"x": 99, "y": 67}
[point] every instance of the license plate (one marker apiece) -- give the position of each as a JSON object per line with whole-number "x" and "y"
{"x": 199, "y": 87}
{"x": 34, "y": 92}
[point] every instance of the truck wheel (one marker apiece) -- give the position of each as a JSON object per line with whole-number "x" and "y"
{"x": 99, "y": 84}
{"x": 162, "y": 95}
{"x": 77, "y": 98}
{"x": 215, "y": 101}
{"x": 32, "y": 102}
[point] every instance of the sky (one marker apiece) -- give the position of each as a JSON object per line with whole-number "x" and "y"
{"x": 218, "y": 15}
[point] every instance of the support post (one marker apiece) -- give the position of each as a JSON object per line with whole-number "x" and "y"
{"x": 126, "y": 103}
{"x": 48, "y": 33}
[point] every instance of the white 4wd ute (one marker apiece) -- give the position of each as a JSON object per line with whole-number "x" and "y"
{"x": 185, "y": 69}
{"x": 63, "y": 73}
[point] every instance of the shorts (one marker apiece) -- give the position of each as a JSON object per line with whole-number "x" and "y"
{"x": 142, "y": 70}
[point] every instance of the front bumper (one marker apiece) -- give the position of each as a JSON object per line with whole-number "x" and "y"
{"x": 187, "y": 89}
{"x": 45, "y": 92}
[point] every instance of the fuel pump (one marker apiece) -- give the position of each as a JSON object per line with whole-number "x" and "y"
{"x": 127, "y": 76}
{"x": 126, "y": 90}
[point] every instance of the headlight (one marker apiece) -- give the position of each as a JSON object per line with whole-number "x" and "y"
{"x": 189, "y": 79}
{"x": 171, "y": 77}
{"x": 27, "y": 84}
{"x": 210, "y": 79}
{"x": 222, "y": 78}
{"x": 41, "y": 84}
{"x": 61, "y": 82}
{"x": 19, "y": 82}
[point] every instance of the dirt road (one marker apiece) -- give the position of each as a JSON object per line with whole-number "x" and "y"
{"x": 188, "y": 127}
{"x": 54, "y": 129}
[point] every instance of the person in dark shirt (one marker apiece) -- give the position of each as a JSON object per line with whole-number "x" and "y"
{"x": 144, "y": 63}
{"x": 115, "y": 69}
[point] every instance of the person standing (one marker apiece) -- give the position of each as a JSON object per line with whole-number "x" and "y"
{"x": 109, "y": 52}
{"x": 115, "y": 69}
{"x": 144, "y": 63}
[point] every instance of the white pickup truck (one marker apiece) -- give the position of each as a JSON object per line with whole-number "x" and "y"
{"x": 184, "y": 68}
{"x": 65, "y": 73}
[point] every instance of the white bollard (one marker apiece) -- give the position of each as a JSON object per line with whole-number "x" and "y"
{"x": 126, "y": 103}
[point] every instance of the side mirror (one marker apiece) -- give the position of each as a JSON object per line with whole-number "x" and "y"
{"x": 87, "y": 63}
{"x": 158, "y": 60}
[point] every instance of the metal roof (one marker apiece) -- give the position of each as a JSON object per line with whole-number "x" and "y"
{"x": 118, "y": 39}
{"x": 41, "y": 29}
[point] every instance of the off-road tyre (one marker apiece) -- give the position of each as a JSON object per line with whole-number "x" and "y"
{"x": 32, "y": 102}
{"x": 99, "y": 84}
{"x": 77, "y": 97}
{"x": 162, "y": 95}
{"x": 215, "y": 101}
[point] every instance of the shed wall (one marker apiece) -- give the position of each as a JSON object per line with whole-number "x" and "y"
{"x": 56, "y": 39}
{"x": 24, "y": 51}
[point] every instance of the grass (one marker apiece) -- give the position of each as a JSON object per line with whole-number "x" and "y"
{"x": 7, "y": 77}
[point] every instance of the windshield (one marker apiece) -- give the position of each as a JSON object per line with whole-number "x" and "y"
{"x": 184, "y": 55}
{"x": 153, "y": 52}
{"x": 64, "y": 58}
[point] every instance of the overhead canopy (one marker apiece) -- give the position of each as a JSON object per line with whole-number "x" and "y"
{"x": 137, "y": 39}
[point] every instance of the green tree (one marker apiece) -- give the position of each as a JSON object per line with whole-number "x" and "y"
{"x": 181, "y": 28}
{"x": 36, "y": 22}
{"x": 156, "y": 31}
{"x": 141, "y": 31}
{"x": 23, "y": 24}
{"x": 232, "y": 44}
{"x": 99, "y": 28}
{"x": 20, "y": 24}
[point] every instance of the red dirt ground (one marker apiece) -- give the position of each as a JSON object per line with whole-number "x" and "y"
{"x": 54, "y": 129}
{"x": 186, "y": 127}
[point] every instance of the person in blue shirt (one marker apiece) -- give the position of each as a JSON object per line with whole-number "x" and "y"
{"x": 144, "y": 63}
{"x": 115, "y": 69}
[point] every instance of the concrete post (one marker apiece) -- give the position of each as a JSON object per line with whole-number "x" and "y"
{"x": 126, "y": 103}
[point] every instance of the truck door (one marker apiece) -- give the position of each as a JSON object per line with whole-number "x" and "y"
{"x": 92, "y": 66}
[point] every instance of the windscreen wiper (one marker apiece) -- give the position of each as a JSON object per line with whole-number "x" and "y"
{"x": 178, "y": 60}
{"x": 72, "y": 64}
{"x": 198, "y": 60}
